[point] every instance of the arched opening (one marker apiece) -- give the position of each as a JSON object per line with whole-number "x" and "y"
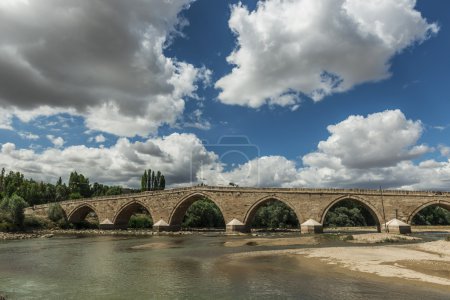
{"x": 133, "y": 215}
{"x": 433, "y": 214}
{"x": 272, "y": 214}
{"x": 350, "y": 214}
{"x": 84, "y": 217}
{"x": 198, "y": 212}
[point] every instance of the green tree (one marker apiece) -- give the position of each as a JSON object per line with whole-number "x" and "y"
{"x": 140, "y": 221}
{"x": 348, "y": 213}
{"x": 152, "y": 181}
{"x": 432, "y": 215}
{"x": 61, "y": 192}
{"x": 114, "y": 190}
{"x": 275, "y": 214}
{"x": 79, "y": 184}
{"x": 14, "y": 208}
{"x": 203, "y": 214}
{"x": 56, "y": 213}
{"x": 144, "y": 181}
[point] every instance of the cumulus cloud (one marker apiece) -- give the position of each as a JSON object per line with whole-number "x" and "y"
{"x": 28, "y": 136}
{"x": 100, "y": 138}
{"x": 56, "y": 141}
{"x": 378, "y": 140}
{"x": 445, "y": 150}
{"x": 290, "y": 48}
{"x": 367, "y": 152}
{"x": 102, "y": 60}
{"x": 178, "y": 156}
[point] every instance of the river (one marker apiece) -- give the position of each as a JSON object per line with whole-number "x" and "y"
{"x": 179, "y": 267}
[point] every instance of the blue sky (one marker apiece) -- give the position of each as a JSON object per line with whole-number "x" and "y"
{"x": 114, "y": 89}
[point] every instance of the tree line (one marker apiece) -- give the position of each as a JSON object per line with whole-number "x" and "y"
{"x": 78, "y": 187}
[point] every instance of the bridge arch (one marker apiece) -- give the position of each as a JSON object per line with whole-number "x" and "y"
{"x": 370, "y": 208}
{"x": 124, "y": 213}
{"x": 441, "y": 203}
{"x": 250, "y": 213}
{"x": 80, "y": 212}
{"x": 180, "y": 209}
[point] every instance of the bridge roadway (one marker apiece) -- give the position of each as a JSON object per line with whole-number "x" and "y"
{"x": 239, "y": 205}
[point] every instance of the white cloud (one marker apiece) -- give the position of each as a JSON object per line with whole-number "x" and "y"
{"x": 28, "y": 136}
{"x": 378, "y": 140}
{"x": 56, "y": 141}
{"x": 5, "y": 119}
{"x": 100, "y": 138}
{"x": 178, "y": 156}
{"x": 315, "y": 47}
{"x": 367, "y": 152}
{"x": 86, "y": 59}
{"x": 263, "y": 171}
{"x": 195, "y": 120}
{"x": 445, "y": 150}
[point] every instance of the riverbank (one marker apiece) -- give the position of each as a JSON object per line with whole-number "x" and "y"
{"x": 94, "y": 232}
{"x": 409, "y": 258}
{"x": 22, "y": 235}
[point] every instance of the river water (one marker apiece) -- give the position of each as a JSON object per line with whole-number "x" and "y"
{"x": 181, "y": 267}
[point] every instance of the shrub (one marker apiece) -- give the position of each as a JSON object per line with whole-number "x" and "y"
{"x": 35, "y": 222}
{"x": 81, "y": 225}
{"x": 140, "y": 221}
{"x": 56, "y": 212}
{"x": 13, "y": 210}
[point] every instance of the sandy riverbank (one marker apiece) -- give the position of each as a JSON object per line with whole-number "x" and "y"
{"x": 426, "y": 262}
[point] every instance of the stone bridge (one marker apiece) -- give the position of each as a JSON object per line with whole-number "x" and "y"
{"x": 239, "y": 205}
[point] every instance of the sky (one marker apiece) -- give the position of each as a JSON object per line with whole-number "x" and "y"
{"x": 274, "y": 93}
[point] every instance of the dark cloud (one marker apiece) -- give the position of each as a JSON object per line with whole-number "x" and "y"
{"x": 86, "y": 54}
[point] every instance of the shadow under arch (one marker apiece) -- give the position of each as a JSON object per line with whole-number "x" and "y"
{"x": 124, "y": 213}
{"x": 79, "y": 213}
{"x": 251, "y": 212}
{"x": 178, "y": 213}
{"x": 440, "y": 203}
{"x": 372, "y": 210}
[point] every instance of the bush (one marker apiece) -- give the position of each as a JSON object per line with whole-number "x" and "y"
{"x": 56, "y": 212}
{"x": 74, "y": 196}
{"x": 7, "y": 226}
{"x": 140, "y": 221}
{"x": 35, "y": 222}
{"x": 81, "y": 225}
{"x": 432, "y": 215}
{"x": 12, "y": 208}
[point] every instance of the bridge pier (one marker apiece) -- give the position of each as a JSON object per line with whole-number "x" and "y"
{"x": 236, "y": 226}
{"x": 311, "y": 226}
{"x": 163, "y": 226}
{"x": 106, "y": 224}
